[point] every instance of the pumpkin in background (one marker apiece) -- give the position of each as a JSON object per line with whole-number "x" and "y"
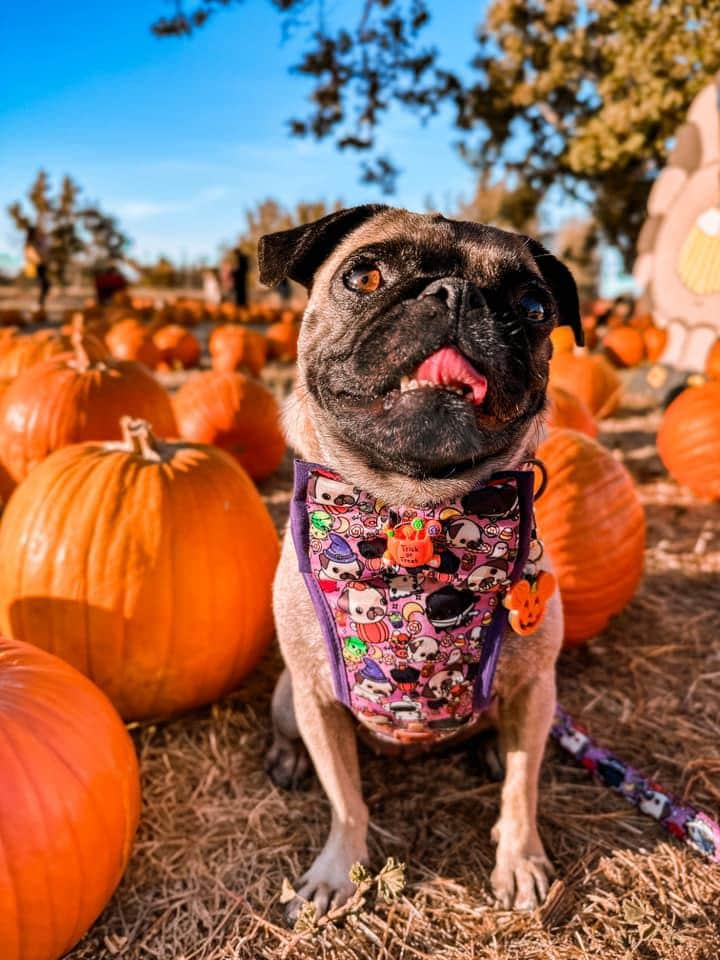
{"x": 563, "y": 340}
{"x": 588, "y": 377}
{"x": 150, "y": 569}
{"x": 625, "y": 346}
{"x": 177, "y": 346}
{"x": 689, "y": 440}
{"x": 589, "y": 325}
{"x": 7, "y": 339}
{"x": 129, "y": 339}
{"x": 236, "y": 413}
{"x": 31, "y": 348}
{"x": 282, "y": 338}
{"x": 593, "y": 526}
{"x": 73, "y": 397}
{"x": 565, "y": 410}
{"x": 69, "y": 803}
{"x": 655, "y": 342}
{"x": 232, "y": 346}
{"x": 712, "y": 363}
{"x": 641, "y": 321}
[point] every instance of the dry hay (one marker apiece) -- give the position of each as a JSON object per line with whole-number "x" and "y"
{"x": 217, "y": 838}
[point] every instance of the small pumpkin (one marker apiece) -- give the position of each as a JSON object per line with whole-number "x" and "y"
{"x": 130, "y": 339}
{"x": 589, "y": 325}
{"x": 593, "y": 527}
{"x": 282, "y": 340}
{"x": 590, "y": 378}
{"x": 689, "y": 440}
{"x": 565, "y": 410}
{"x": 162, "y": 593}
{"x": 74, "y": 397}
{"x": 232, "y": 346}
{"x": 712, "y": 363}
{"x": 527, "y": 601}
{"x": 69, "y": 803}
{"x": 563, "y": 340}
{"x": 178, "y": 347}
{"x": 31, "y": 348}
{"x": 655, "y": 342}
{"x": 237, "y": 414}
{"x": 625, "y": 346}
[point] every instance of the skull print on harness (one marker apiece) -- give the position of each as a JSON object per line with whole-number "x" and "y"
{"x": 413, "y": 649}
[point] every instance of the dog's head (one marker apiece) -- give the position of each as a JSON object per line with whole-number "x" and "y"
{"x": 425, "y": 345}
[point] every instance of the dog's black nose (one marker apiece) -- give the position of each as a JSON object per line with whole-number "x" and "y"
{"x": 458, "y": 295}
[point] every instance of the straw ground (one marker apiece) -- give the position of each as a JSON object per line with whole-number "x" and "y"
{"x": 217, "y": 839}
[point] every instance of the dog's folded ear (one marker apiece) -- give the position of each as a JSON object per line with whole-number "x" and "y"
{"x": 562, "y": 283}
{"x": 297, "y": 253}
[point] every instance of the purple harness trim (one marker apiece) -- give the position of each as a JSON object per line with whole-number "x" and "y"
{"x": 685, "y": 822}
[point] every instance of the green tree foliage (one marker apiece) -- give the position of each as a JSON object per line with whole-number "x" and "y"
{"x": 80, "y": 237}
{"x": 581, "y": 94}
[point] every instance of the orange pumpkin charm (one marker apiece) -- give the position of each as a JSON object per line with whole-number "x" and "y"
{"x": 527, "y": 601}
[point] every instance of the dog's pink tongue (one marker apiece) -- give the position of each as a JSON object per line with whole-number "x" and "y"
{"x": 447, "y": 367}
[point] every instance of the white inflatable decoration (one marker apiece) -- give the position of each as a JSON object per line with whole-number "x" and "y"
{"x": 678, "y": 264}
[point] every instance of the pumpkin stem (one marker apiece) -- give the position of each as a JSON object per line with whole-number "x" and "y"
{"x": 139, "y": 438}
{"x": 87, "y": 351}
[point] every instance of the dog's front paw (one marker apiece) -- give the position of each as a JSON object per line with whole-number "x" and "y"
{"x": 327, "y": 884}
{"x": 521, "y": 879}
{"x": 287, "y": 762}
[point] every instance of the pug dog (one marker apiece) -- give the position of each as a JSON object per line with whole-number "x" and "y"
{"x": 388, "y": 289}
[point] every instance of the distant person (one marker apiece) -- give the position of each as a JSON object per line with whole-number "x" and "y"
{"x": 108, "y": 282}
{"x": 36, "y": 265}
{"x": 211, "y": 287}
{"x": 240, "y": 268}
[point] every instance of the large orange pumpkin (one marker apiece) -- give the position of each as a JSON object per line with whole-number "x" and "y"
{"x": 564, "y": 410}
{"x": 625, "y": 346}
{"x": 130, "y": 339}
{"x": 655, "y": 342}
{"x": 236, "y": 413}
{"x": 232, "y": 346}
{"x": 147, "y": 564}
{"x": 69, "y": 803}
{"x": 689, "y": 440}
{"x": 712, "y": 363}
{"x": 593, "y": 526}
{"x": 588, "y": 377}
{"x": 31, "y": 348}
{"x": 177, "y": 346}
{"x": 73, "y": 397}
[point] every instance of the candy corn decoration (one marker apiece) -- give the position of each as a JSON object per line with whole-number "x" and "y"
{"x": 699, "y": 260}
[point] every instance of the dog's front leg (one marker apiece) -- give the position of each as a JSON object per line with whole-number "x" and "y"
{"x": 521, "y": 875}
{"x": 329, "y": 735}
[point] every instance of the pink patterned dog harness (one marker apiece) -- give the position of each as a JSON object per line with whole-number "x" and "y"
{"x": 410, "y": 601}
{"x": 413, "y": 649}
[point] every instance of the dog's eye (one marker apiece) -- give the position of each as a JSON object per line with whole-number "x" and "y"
{"x": 534, "y": 310}
{"x": 363, "y": 279}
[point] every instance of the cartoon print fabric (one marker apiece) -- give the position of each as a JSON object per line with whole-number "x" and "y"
{"x": 683, "y": 821}
{"x": 413, "y": 649}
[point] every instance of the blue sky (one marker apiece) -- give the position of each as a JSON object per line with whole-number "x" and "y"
{"x": 179, "y": 136}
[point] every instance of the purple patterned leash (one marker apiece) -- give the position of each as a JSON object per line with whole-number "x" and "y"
{"x": 692, "y": 826}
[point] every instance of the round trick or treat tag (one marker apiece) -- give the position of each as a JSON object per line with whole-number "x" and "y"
{"x": 527, "y": 601}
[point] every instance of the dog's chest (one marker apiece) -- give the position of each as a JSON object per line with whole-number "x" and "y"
{"x": 413, "y": 625}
